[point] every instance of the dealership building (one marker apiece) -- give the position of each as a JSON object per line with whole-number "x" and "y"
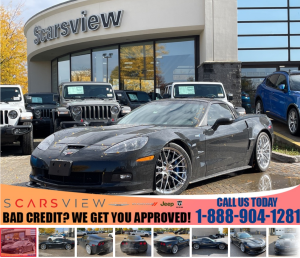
{"x": 146, "y": 45}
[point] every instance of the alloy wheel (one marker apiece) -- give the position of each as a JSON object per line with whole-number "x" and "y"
{"x": 196, "y": 246}
{"x": 265, "y": 183}
{"x": 293, "y": 121}
{"x": 175, "y": 249}
{"x": 171, "y": 171}
{"x": 88, "y": 249}
{"x": 242, "y": 248}
{"x": 263, "y": 151}
{"x": 258, "y": 107}
{"x": 221, "y": 247}
{"x": 43, "y": 246}
{"x": 68, "y": 247}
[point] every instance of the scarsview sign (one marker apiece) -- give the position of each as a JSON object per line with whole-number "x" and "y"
{"x": 82, "y": 24}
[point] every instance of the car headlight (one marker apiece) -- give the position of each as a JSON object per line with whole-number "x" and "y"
{"x": 128, "y": 145}
{"x": 115, "y": 110}
{"x": 13, "y": 114}
{"x": 277, "y": 244}
{"x": 37, "y": 113}
{"x": 44, "y": 145}
{"x": 251, "y": 244}
{"x": 76, "y": 111}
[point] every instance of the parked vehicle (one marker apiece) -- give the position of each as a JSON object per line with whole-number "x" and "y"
{"x": 118, "y": 232}
{"x": 140, "y": 233}
{"x": 53, "y": 237}
{"x": 143, "y": 142}
{"x": 132, "y": 98}
{"x": 159, "y": 232}
{"x": 247, "y": 243}
{"x": 81, "y": 233}
{"x": 206, "y": 242}
{"x": 95, "y": 244}
{"x": 246, "y": 102}
{"x": 58, "y": 243}
{"x": 15, "y": 121}
{"x": 286, "y": 244}
{"x": 154, "y": 96}
{"x": 212, "y": 90}
{"x": 85, "y": 104}
{"x": 19, "y": 247}
{"x": 213, "y": 236}
{"x": 133, "y": 244}
{"x": 41, "y": 105}
{"x": 111, "y": 235}
{"x": 221, "y": 235}
{"x": 278, "y": 96}
{"x": 170, "y": 244}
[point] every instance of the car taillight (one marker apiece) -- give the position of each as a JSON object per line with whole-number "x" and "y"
{"x": 101, "y": 243}
{"x": 143, "y": 243}
{"x": 124, "y": 243}
{"x": 162, "y": 243}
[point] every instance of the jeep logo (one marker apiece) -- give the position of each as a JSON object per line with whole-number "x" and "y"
{"x": 167, "y": 204}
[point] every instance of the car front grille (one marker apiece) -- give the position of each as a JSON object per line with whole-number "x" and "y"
{"x": 4, "y": 117}
{"x": 96, "y": 112}
{"x": 46, "y": 113}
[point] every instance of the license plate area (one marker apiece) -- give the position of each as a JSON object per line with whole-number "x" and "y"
{"x": 60, "y": 168}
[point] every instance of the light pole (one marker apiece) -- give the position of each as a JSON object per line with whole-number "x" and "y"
{"x": 107, "y": 56}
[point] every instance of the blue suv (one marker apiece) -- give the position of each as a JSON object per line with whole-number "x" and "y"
{"x": 278, "y": 96}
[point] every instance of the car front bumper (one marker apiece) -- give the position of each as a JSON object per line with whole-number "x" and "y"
{"x": 41, "y": 121}
{"x": 255, "y": 250}
{"x": 15, "y": 130}
{"x": 284, "y": 250}
{"x": 102, "y": 122}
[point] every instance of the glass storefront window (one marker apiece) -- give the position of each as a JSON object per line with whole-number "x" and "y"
{"x": 295, "y": 54}
{"x": 262, "y": 28}
{"x": 81, "y": 66}
{"x": 295, "y": 14}
{"x": 175, "y": 61}
{"x": 257, "y": 72}
{"x": 294, "y": 3}
{"x": 263, "y": 55}
{"x": 295, "y": 41}
{"x": 137, "y": 66}
{"x": 105, "y": 63}
{"x": 287, "y": 69}
{"x": 54, "y": 76}
{"x": 63, "y": 69}
{"x": 263, "y": 42}
{"x": 295, "y": 27}
{"x": 262, "y": 3}
{"x": 262, "y": 15}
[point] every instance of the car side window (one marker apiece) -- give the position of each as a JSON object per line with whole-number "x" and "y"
{"x": 281, "y": 80}
{"x": 217, "y": 111}
{"x": 180, "y": 238}
{"x": 271, "y": 81}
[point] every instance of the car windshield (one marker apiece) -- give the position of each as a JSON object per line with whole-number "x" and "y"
{"x": 10, "y": 94}
{"x": 138, "y": 96}
{"x": 295, "y": 82}
{"x": 88, "y": 91}
{"x": 287, "y": 236}
{"x": 167, "y": 113}
{"x": 244, "y": 235}
{"x": 198, "y": 90}
{"x": 42, "y": 99}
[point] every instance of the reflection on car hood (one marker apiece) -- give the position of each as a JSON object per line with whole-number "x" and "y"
{"x": 287, "y": 242}
{"x": 253, "y": 240}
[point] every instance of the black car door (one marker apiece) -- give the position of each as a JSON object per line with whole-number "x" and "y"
{"x": 235, "y": 239}
{"x": 181, "y": 242}
{"x": 58, "y": 243}
{"x": 226, "y": 146}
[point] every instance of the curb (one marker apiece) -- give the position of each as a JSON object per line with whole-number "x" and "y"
{"x": 283, "y": 140}
{"x": 285, "y": 158}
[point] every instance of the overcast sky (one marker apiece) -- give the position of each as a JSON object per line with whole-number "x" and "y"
{"x": 31, "y": 7}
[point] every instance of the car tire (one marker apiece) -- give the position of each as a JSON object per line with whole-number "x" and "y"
{"x": 259, "y": 107}
{"x": 57, "y": 126}
{"x": 293, "y": 122}
{"x": 88, "y": 249}
{"x": 242, "y": 247}
{"x": 27, "y": 142}
{"x": 43, "y": 246}
{"x": 68, "y": 247}
{"x": 184, "y": 175}
{"x": 174, "y": 249}
{"x": 262, "y": 152}
{"x": 196, "y": 246}
{"x": 221, "y": 246}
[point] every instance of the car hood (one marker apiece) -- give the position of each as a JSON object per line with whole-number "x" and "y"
{"x": 40, "y": 106}
{"x": 286, "y": 241}
{"x": 12, "y": 106}
{"x": 257, "y": 241}
{"x": 90, "y": 102}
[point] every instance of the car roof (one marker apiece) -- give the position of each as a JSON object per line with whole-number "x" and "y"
{"x": 197, "y": 83}
{"x": 40, "y": 93}
{"x": 207, "y": 100}
{"x": 130, "y": 91}
{"x": 85, "y": 83}
{"x": 286, "y": 72}
{"x": 131, "y": 237}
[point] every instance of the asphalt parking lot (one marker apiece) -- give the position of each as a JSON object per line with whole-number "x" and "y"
{"x": 185, "y": 252}
{"x": 211, "y": 252}
{"x": 119, "y": 253}
{"x": 236, "y": 252}
{"x": 81, "y": 252}
{"x": 272, "y": 240}
{"x": 55, "y": 252}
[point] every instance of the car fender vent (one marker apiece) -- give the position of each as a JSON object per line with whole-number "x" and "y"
{"x": 76, "y": 146}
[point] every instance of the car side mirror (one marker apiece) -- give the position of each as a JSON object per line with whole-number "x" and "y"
{"x": 28, "y": 100}
{"x": 221, "y": 121}
{"x": 56, "y": 98}
{"x": 282, "y": 87}
{"x": 166, "y": 96}
{"x": 229, "y": 96}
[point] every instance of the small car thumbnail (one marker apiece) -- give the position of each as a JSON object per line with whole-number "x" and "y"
{"x": 58, "y": 243}
{"x": 247, "y": 243}
{"x": 81, "y": 233}
{"x": 286, "y": 244}
{"x": 170, "y": 244}
{"x": 206, "y": 242}
{"x": 133, "y": 244}
{"x": 94, "y": 244}
{"x": 20, "y": 247}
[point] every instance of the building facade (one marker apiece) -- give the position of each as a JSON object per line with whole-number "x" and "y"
{"x": 204, "y": 232}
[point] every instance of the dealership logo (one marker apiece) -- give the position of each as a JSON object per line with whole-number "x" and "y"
{"x": 179, "y": 204}
{"x": 82, "y": 24}
{"x": 170, "y": 204}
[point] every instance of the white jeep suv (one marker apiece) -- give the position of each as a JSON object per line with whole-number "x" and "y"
{"x": 15, "y": 121}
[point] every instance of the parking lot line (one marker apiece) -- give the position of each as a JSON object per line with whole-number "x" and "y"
{"x": 287, "y": 139}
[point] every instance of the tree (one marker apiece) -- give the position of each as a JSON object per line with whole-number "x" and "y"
{"x": 80, "y": 229}
{"x": 42, "y": 230}
{"x": 89, "y": 229}
{"x": 49, "y": 231}
{"x": 97, "y": 229}
{"x": 13, "y": 58}
{"x": 225, "y": 231}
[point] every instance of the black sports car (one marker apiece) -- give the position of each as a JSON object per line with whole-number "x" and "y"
{"x": 160, "y": 147}
{"x": 20, "y": 247}
{"x": 220, "y": 235}
{"x": 247, "y": 243}
{"x": 206, "y": 242}
{"x": 286, "y": 244}
{"x": 170, "y": 243}
{"x": 95, "y": 244}
{"x": 58, "y": 243}
{"x": 133, "y": 244}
